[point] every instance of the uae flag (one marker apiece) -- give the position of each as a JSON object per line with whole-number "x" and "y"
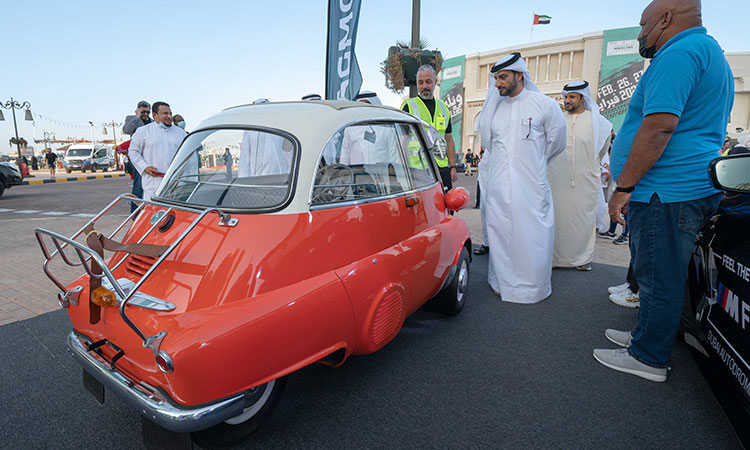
{"x": 541, "y": 20}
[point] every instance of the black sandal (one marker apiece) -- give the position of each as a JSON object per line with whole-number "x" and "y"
{"x": 483, "y": 250}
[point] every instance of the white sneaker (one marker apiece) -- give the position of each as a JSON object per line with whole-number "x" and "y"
{"x": 621, "y": 338}
{"x": 619, "y": 287}
{"x": 621, "y": 361}
{"x": 626, "y": 298}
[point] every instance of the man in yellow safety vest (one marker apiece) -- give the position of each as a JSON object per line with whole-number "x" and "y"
{"x": 436, "y": 113}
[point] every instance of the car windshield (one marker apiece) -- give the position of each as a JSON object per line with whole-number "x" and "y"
{"x": 79, "y": 152}
{"x": 231, "y": 168}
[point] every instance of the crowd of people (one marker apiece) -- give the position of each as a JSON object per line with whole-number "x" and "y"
{"x": 542, "y": 188}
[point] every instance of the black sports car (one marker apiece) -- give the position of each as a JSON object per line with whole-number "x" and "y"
{"x": 9, "y": 176}
{"x": 716, "y": 316}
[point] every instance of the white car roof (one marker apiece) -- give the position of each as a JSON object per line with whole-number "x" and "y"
{"x": 311, "y": 122}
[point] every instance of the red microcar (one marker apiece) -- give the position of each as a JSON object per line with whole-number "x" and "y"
{"x": 282, "y": 235}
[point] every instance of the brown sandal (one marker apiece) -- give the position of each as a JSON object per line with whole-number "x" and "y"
{"x": 483, "y": 250}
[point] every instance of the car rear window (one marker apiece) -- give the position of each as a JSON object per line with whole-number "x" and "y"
{"x": 232, "y": 168}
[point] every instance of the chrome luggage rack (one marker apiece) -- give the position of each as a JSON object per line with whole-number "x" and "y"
{"x": 125, "y": 294}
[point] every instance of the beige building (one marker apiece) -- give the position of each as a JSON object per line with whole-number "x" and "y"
{"x": 555, "y": 63}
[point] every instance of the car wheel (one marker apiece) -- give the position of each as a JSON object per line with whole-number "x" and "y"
{"x": 83, "y": 170}
{"x": 259, "y": 404}
{"x": 452, "y": 299}
{"x": 105, "y": 169}
{"x": 68, "y": 170}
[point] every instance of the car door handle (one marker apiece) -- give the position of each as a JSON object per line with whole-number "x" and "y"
{"x": 411, "y": 200}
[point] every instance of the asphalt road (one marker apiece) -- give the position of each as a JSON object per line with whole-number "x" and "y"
{"x": 498, "y": 375}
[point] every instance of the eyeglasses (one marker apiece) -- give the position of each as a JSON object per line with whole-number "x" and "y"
{"x": 147, "y": 111}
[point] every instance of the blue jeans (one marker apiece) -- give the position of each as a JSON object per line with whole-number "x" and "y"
{"x": 662, "y": 236}
{"x": 613, "y": 228}
{"x": 137, "y": 188}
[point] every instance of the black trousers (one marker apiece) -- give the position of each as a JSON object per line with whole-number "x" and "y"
{"x": 445, "y": 175}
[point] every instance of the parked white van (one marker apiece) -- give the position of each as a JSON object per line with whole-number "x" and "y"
{"x": 85, "y": 157}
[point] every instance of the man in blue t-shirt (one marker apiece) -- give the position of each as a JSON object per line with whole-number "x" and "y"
{"x": 675, "y": 124}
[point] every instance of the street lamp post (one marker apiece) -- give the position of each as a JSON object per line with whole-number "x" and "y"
{"x": 92, "y": 134}
{"x": 114, "y": 126}
{"x": 13, "y": 105}
{"x": 415, "y": 16}
{"x": 48, "y": 136}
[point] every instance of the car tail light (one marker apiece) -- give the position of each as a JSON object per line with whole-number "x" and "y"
{"x": 164, "y": 362}
{"x": 103, "y": 297}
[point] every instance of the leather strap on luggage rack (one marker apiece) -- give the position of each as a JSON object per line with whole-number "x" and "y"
{"x": 98, "y": 243}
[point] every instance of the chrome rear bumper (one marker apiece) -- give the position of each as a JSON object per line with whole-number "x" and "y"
{"x": 149, "y": 403}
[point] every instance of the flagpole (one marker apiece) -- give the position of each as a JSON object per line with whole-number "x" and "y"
{"x": 531, "y": 35}
{"x": 328, "y": 49}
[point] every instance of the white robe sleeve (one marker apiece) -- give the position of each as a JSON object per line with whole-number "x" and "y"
{"x": 555, "y": 131}
{"x": 135, "y": 151}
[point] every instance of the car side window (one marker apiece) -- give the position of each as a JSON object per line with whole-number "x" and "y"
{"x": 360, "y": 162}
{"x": 417, "y": 156}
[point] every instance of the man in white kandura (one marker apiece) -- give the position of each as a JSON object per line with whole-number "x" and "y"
{"x": 153, "y": 147}
{"x": 521, "y": 130}
{"x": 575, "y": 178}
{"x": 361, "y": 143}
{"x": 262, "y": 153}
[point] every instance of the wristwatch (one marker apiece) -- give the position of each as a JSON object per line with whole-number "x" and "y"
{"x": 626, "y": 190}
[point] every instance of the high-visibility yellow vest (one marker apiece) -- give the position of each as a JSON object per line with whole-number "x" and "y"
{"x": 439, "y": 121}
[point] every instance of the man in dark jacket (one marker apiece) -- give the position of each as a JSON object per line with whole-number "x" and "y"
{"x": 132, "y": 123}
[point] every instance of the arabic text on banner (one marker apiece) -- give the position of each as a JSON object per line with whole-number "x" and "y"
{"x": 621, "y": 69}
{"x": 452, "y": 93}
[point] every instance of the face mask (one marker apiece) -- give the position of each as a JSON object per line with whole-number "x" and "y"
{"x": 648, "y": 52}
{"x": 181, "y": 124}
{"x": 163, "y": 125}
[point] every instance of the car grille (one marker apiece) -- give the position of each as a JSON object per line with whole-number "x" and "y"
{"x": 138, "y": 265}
{"x": 387, "y": 318}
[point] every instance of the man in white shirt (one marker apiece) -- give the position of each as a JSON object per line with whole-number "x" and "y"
{"x": 522, "y": 130}
{"x": 153, "y": 147}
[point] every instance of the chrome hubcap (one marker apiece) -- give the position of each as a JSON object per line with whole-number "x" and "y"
{"x": 463, "y": 281}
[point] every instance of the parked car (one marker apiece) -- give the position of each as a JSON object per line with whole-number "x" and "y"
{"x": 85, "y": 157}
{"x": 716, "y": 317}
{"x": 9, "y": 176}
{"x": 325, "y": 228}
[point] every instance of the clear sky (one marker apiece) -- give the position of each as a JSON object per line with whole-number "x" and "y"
{"x": 82, "y": 61}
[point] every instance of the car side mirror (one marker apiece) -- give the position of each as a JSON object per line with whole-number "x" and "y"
{"x": 439, "y": 149}
{"x": 731, "y": 173}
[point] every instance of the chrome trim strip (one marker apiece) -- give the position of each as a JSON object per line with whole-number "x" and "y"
{"x": 152, "y": 404}
{"x": 139, "y": 298}
{"x": 371, "y": 199}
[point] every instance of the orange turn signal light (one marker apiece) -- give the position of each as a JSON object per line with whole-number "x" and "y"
{"x": 103, "y": 297}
